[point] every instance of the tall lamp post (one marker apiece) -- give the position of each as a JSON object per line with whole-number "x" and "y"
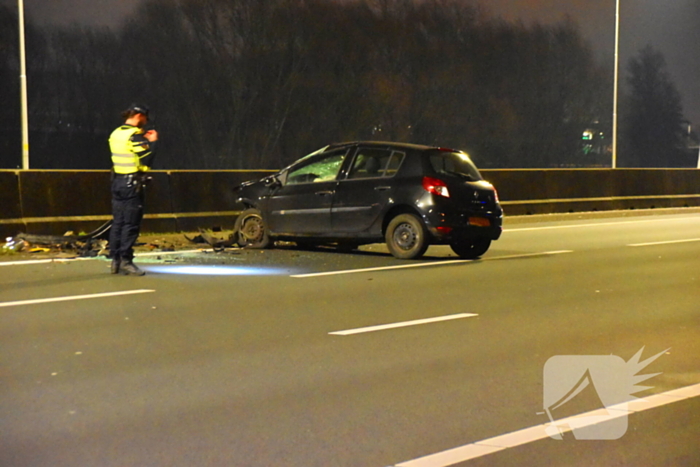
{"x": 615, "y": 92}
{"x": 23, "y": 88}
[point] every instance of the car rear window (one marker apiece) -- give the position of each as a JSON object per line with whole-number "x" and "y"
{"x": 455, "y": 163}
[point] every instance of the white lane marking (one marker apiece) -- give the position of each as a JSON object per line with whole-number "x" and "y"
{"x": 600, "y": 224}
{"x": 403, "y": 324}
{"x": 434, "y": 263}
{"x": 74, "y": 297}
{"x": 68, "y": 260}
{"x": 41, "y": 261}
{"x": 669, "y": 242}
{"x": 159, "y": 253}
{"x": 537, "y": 433}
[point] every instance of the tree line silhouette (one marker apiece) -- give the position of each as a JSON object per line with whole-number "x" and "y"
{"x": 252, "y": 84}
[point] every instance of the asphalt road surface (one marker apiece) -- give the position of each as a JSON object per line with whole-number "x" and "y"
{"x": 317, "y": 358}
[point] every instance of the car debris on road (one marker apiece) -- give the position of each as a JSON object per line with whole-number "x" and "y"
{"x": 96, "y": 243}
{"x": 85, "y": 245}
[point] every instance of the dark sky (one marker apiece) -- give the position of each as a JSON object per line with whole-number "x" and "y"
{"x": 671, "y": 26}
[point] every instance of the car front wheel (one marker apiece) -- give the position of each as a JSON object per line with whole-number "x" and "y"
{"x": 251, "y": 229}
{"x": 406, "y": 237}
{"x": 470, "y": 248}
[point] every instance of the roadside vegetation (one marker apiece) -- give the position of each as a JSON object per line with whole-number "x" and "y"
{"x": 253, "y": 84}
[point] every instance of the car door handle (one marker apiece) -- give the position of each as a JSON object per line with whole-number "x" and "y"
{"x": 324, "y": 193}
{"x": 382, "y": 188}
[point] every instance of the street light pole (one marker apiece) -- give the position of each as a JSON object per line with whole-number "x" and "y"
{"x": 615, "y": 92}
{"x": 23, "y": 88}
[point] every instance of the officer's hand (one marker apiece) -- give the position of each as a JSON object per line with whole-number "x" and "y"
{"x": 151, "y": 135}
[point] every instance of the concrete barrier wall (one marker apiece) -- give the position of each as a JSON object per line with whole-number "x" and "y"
{"x": 55, "y": 201}
{"x": 10, "y": 206}
{"x": 574, "y": 190}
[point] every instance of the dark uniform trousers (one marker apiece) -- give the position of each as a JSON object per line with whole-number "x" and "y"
{"x": 127, "y": 212}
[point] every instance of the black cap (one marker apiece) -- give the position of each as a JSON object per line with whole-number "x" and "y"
{"x": 138, "y": 109}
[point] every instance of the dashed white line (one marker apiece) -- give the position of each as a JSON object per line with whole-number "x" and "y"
{"x": 74, "y": 297}
{"x": 403, "y": 324}
{"x": 433, "y": 263}
{"x": 538, "y": 432}
{"x": 668, "y": 242}
{"x": 41, "y": 261}
{"x": 165, "y": 253}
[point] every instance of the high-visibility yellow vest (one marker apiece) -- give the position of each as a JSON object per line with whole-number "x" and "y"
{"x": 127, "y": 153}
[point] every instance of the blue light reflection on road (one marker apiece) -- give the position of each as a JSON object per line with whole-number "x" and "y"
{"x": 207, "y": 270}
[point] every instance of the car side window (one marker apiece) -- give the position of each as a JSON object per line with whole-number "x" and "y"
{"x": 323, "y": 168}
{"x": 373, "y": 163}
{"x": 394, "y": 163}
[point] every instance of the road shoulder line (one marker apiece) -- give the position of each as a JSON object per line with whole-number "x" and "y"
{"x": 667, "y": 242}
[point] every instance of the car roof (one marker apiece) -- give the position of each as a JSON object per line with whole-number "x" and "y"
{"x": 409, "y": 146}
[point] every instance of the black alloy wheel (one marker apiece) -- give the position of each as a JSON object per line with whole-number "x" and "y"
{"x": 252, "y": 229}
{"x": 406, "y": 237}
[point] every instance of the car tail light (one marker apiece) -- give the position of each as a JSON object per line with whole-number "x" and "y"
{"x": 436, "y": 186}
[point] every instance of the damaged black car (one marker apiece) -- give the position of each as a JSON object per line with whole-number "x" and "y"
{"x": 349, "y": 194}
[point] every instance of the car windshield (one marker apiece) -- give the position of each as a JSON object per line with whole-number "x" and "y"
{"x": 455, "y": 163}
{"x": 319, "y": 168}
{"x": 318, "y": 151}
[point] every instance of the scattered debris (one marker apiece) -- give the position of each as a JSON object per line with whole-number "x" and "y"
{"x": 218, "y": 244}
{"x": 157, "y": 246}
{"x": 13, "y": 245}
{"x": 86, "y": 245}
{"x": 96, "y": 243}
{"x": 196, "y": 239}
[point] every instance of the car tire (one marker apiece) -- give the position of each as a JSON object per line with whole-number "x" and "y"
{"x": 251, "y": 229}
{"x": 470, "y": 248}
{"x": 406, "y": 237}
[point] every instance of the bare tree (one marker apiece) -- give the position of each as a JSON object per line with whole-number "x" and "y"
{"x": 259, "y": 83}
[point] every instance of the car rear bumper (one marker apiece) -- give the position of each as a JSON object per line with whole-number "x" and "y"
{"x": 444, "y": 226}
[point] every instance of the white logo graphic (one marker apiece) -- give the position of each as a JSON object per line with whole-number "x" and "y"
{"x": 610, "y": 382}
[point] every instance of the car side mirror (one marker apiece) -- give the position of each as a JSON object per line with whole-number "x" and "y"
{"x": 272, "y": 182}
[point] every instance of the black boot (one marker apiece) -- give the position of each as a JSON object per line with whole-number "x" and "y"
{"x": 116, "y": 262}
{"x": 130, "y": 269}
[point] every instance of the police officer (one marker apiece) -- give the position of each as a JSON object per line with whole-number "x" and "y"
{"x": 133, "y": 151}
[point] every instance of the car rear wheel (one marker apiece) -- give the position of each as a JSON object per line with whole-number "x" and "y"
{"x": 406, "y": 237}
{"x": 470, "y": 248}
{"x": 251, "y": 229}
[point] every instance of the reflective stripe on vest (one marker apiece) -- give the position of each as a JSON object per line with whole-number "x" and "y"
{"x": 124, "y": 152}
